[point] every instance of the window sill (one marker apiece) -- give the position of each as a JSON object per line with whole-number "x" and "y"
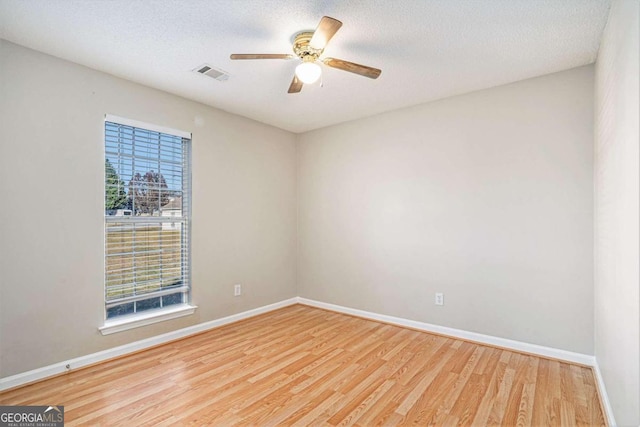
{"x": 137, "y": 320}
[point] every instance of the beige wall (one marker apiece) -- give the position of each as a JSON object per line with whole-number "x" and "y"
{"x": 51, "y": 228}
{"x": 486, "y": 197}
{"x": 617, "y": 213}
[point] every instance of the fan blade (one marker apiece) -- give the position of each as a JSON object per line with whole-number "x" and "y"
{"x": 326, "y": 29}
{"x": 296, "y": 85}
{"x": 261, "y": 56}
{"x": 352, "y": 67}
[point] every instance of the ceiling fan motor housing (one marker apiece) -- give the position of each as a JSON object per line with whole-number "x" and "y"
{"x": 303, "y": 49}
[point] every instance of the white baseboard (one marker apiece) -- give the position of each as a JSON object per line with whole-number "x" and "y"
{"x": 569, "y": 356}
{"x": 608, "y": 409}
{"x": 101, "y": 356}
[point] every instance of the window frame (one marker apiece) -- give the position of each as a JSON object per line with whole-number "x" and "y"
{"x": 153, "y": 315}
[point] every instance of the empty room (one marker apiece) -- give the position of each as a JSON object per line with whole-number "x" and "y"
{"x": 278, "y": 213}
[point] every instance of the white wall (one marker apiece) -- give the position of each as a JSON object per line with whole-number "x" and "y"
{"x": 51, "y": 226}
{"x": 487, "y": 197}
{"x": 617, "y": 213}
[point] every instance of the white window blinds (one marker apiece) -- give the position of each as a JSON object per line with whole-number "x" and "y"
{"x": 147, "y": 218}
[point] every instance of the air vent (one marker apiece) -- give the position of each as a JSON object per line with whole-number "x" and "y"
{"x": 214, "y": 73}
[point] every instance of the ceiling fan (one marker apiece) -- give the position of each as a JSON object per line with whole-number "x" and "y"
{"x": 308, "y": 46}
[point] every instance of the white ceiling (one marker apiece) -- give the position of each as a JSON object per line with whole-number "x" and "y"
{"x": 427, "y": 49}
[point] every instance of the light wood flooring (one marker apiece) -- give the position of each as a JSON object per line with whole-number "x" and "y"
{"x": 305, "y": 366}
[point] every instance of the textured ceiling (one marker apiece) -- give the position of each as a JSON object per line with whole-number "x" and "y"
{"x": 427, "y": 49}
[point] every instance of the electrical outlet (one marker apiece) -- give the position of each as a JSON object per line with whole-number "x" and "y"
{"x": 439, "y": 298}
{"x": 237, "y": 290}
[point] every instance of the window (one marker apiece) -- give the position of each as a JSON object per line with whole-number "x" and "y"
{"x": 147, "y": 219}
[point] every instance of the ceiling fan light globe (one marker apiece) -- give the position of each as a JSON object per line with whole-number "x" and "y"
{"x": 308, "y": 72}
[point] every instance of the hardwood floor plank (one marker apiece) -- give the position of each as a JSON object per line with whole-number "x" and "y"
{"x": 468, "y": 403}
{"x": 354, "y": 399}
{"x": 427, "y": 375}
{"x": 502, "y": 398}
{"x": 525, "y": 410}
{"x": 541, "y": 400}
{"x": 426, "y": 408}
{"x": 453, "y": 394}
{"x": 305, "y": 366}
{"x": 369, "y": 402}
